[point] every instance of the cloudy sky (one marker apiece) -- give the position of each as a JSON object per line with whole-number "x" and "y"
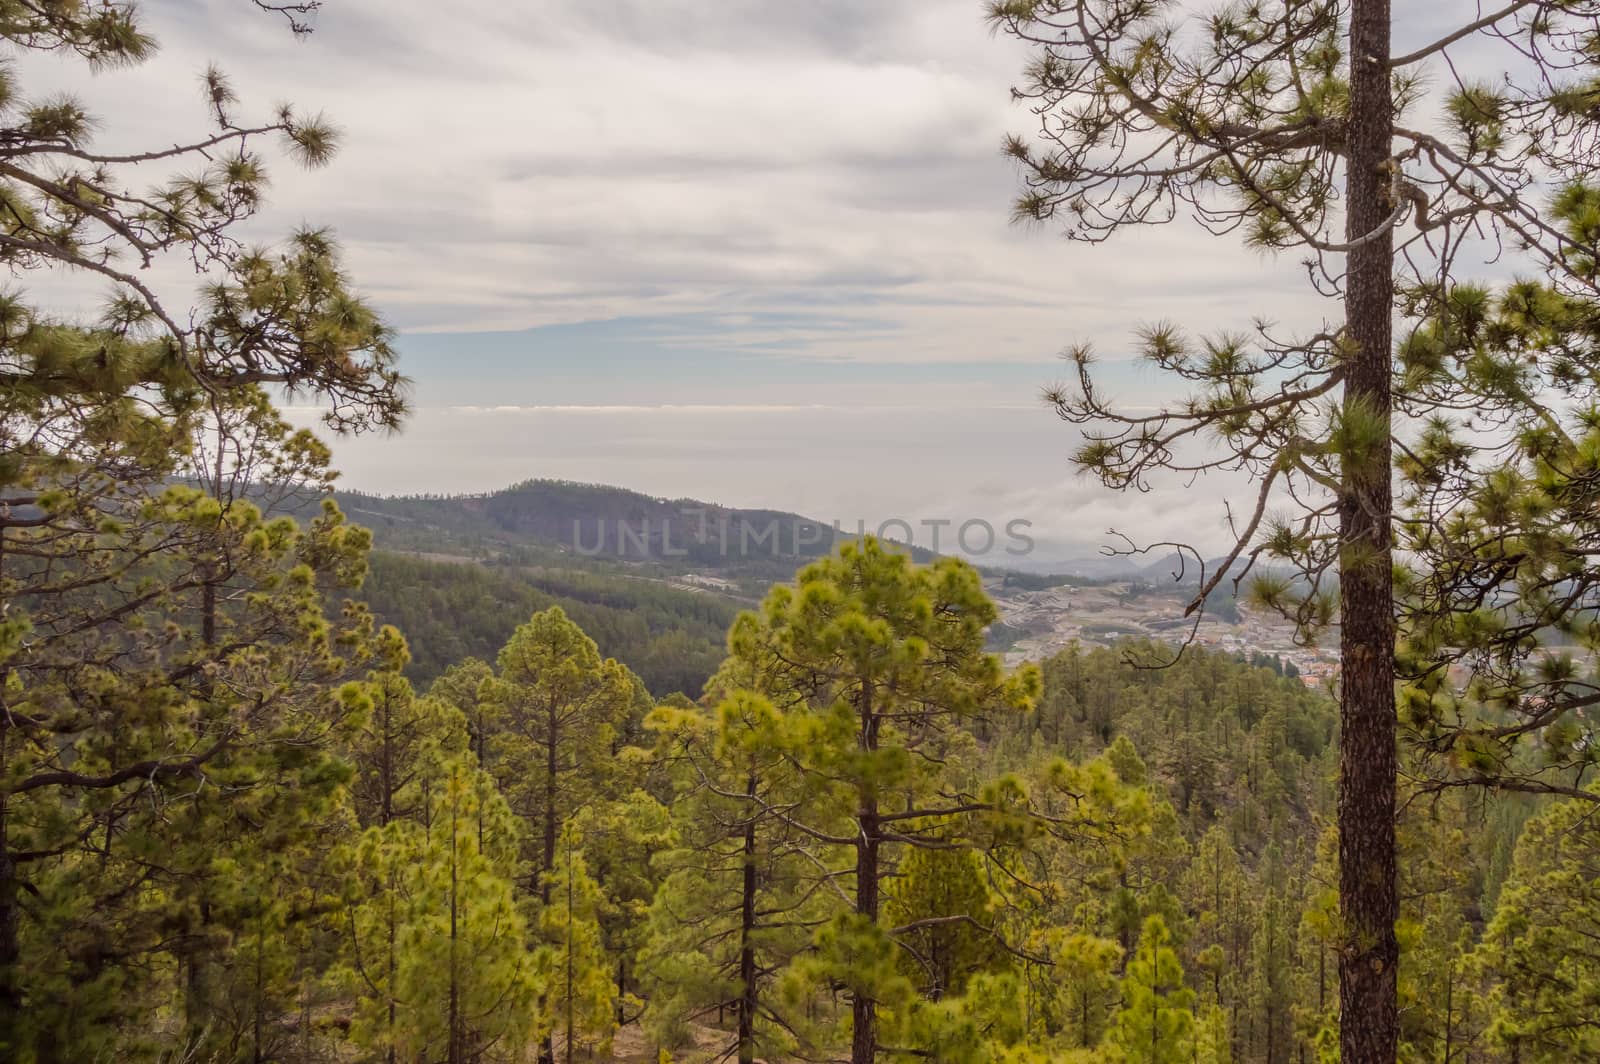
{"x": 755, "y": 251}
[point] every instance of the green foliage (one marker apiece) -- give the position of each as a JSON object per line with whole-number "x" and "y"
{"x": 1156, "y": 1022}
{"x": 986, "y": 1024}
{"x": 1537, "y": 955}
{"x": 440, "y": 960}
{"x": 739, "y": 897}
{"x": 673, "y": 638}
{"x": 176, "y": 694}
{"x": 1225, "y": 740}
{"x": 1298, "y": 127}
{"x": 945, "y": 918}
{"x": 1074, "y": 991}
{"x": 580, "y": 996}
{"x": 153, "y": 761}
{"x": 864, "y": 670}
{"x": 620, "y": 840}
{"x": 561, "y": 710}
{"x": 1138, "y": 904}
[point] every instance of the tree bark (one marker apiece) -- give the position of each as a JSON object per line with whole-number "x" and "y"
{"x": 551, "y": 743}
{"x": 1368, "y": 896}
{"x": 747, "y": 948}
{"x": 10, "y": 946}
{"x": 863, "y": 1009}
{"x": 10, "y": 949}
{"x": 455, "y": 1044}
{"x": 547, "y": 1048}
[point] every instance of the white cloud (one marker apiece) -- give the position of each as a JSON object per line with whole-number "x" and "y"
{"x": 507, "y": 166}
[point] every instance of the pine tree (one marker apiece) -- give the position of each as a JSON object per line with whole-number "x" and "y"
{"x": 1075, "y": 990}
{"x": 941, "y": 902}
{"x": 1271, "y": 941}
{"x": 165, "y": 752}
{"x": 740, "y": 899}
{"x": 1441, "y": 1013}
{"x": 462, "y": 687}
{"x": 871, "y": 663}
{"x": 1156, "y": 1022}
{"x": 403, "y": 744}
{"x": 619, "y": 840}
{"x": 1539, "y": 954}
{"x": 580, "y": 996}
{"x": 560, "y": 706}
{"x": 1501, "y": 586}
{"x": 1212, "y": 1042}
{"x": 1216, "y": 889}
{"x": 441, "y": 961}
{"x": 1286, "y": 123}
{"x": 985, "y": 1025}
{"x": 169, "y": 670}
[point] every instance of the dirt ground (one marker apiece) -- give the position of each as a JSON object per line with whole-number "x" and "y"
{"x": 631, "y": 1046}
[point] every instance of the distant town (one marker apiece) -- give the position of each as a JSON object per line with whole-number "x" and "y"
{"x": 1039, "y": 622}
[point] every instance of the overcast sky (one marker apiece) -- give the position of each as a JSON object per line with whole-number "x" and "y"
{"x": 749, "y": 250}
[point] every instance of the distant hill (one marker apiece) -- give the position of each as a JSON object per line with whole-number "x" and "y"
{"x": 656, "y": 582}
{"x": 1174, "y": 568}
{"x": 591, "y": 521}
{"x": 1166, "y": 569}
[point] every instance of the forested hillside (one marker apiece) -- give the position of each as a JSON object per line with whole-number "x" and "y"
{"x": 863, "y": 824}
{"x": 670, "y": 635}
{"x": 568, "y": 524}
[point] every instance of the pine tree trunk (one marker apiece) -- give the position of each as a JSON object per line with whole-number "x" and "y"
{"x": 10, "y": 945}
{"x": 571, "y": 919}
{"x": 454, "y": 1050}
{"x": 747, "y": 949}
{"x": 863, "y": 1009}
{"x": 547, "y": 1048}
{"x": 1368, "y": 897}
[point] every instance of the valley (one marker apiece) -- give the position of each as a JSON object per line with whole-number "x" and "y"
{"x": 537, "y": 543}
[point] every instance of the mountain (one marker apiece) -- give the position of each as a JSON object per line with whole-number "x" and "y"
{"x": 655, "y": 582}
{"x": 1171, "y": 568}
{"x": 547, "y": 519}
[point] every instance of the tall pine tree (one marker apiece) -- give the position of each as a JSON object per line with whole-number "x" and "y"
{"x": 1298, "y": 126}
